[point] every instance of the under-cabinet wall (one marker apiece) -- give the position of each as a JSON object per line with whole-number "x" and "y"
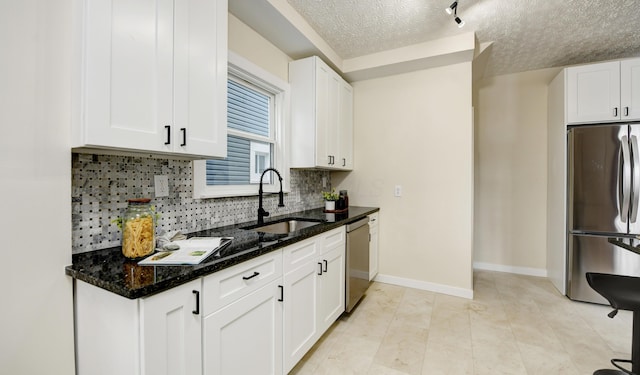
{"x": 101, "y": 185}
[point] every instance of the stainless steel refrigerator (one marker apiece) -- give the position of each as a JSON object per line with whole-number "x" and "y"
{"x": 603, "y": 203}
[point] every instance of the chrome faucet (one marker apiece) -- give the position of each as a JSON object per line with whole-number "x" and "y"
{"x": 261, "y": 212}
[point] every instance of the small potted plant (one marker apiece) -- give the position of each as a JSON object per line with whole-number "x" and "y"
{"x": 330, "y": 198}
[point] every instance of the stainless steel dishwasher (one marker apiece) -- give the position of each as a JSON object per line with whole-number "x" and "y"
{"x": 357, "y": 265}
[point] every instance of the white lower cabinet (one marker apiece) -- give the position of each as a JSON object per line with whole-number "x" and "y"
{"x": 242, "y": 324}
{"x": 246, "y": 336}
{"x": 314, "y": 283}
{"x": 156, "y": 335}
{"x": 373, "y": 245}
{"x": 170, "y": 326}
{"x": 331, "y": 289}
{"x": 257, "y": 317}
{"x": 300, "y": 312}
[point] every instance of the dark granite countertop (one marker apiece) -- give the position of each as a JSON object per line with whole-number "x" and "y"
{"x": 110, "y": 270}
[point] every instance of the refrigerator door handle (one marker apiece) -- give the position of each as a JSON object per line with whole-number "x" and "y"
{"x": 624, "y": 181}
{"x": 635, "y": 182}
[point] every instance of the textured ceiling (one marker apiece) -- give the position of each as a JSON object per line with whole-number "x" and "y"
{"x": 526, "y": 34}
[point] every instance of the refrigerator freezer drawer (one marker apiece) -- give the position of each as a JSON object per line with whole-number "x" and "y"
{"x": 596, "y": 254}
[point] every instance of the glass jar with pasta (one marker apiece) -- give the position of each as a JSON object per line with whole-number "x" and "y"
{"x": 138, "y": 229}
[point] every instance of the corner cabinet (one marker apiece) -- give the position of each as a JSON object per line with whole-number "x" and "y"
{"x": 603, "y": 92}
{"x": 152, "y": 77}
{"x": 321, "y": 116}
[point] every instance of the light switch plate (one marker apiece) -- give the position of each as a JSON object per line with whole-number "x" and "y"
{"x": 161, "y": 185}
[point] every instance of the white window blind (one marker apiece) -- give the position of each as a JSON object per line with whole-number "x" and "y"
{"x": 250, "y": 137}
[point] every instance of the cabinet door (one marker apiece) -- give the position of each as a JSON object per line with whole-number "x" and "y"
{"x": 630, "y": 89}
{"x": 346, "y": 127}
{"x": 170, "y": 327}
{"x": 333, "y": 124}
{"x": 322, "y": 113}
{"x": 373, "y": 246}
{"x": 593, "y": 93}
{"x": 200, "y": 74}
{"x": 245, "y": 337}
{"x": 127, "y": 89}
{"x": 331, "y": 288}
{"x": 300, "y": 312}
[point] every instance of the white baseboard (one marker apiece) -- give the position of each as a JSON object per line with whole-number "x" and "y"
{"x": 540, "y": 272}
{"x": 425, "y": 285}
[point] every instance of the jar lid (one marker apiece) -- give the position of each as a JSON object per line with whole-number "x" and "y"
{"x": 139, "y": 200}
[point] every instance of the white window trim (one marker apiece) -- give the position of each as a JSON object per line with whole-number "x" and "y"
{"x": 243, "y": 68}
{"x": 257, "y": 149}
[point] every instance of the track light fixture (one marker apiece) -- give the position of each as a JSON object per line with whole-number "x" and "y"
{"x": 453, "y": 9}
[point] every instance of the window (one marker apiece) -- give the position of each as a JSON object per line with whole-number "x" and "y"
{"x": 256, "y": 108}
{"x": 250, "y": 136}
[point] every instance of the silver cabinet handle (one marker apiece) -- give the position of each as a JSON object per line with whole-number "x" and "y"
{"x": 624, "y": 188}
{"x": 615, "y": 111}
{"x": 626, "y": 111}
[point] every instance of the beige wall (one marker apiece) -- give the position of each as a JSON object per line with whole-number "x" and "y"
{"x": 402, "y": 124}
{"x": 511, "y": 171}
{"x": 247, "y": 43}
{"x": 415, "y": 130}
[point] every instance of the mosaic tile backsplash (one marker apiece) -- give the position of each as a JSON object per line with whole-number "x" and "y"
{"x": 101, "y": 185}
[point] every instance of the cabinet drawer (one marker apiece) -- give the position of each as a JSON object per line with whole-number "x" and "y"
{"x": 333, "y": 238}
{"x": 300, "y": 253}
{"x": 226, "y": 286}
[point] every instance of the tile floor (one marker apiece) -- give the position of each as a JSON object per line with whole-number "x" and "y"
{"x": 514, "y": 325}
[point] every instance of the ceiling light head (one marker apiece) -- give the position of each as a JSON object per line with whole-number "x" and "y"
{"x": 459, "y": 22}
{"x": 452, "y": 8}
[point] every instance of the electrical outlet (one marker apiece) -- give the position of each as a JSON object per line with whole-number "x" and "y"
{"x": 397, "y": 191}
{"x": 161, "y": 185}
{"x": 324, "y": 182}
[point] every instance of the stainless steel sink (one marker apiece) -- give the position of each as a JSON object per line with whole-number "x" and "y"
{"x": 284, "y": 227}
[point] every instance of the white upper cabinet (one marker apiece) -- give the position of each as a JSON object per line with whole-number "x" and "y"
{"x": 153, "y": 77}
{"x": 321, "y": 116}
{"x": 630, "y": 89}
{"x": 346, "y": 127}
{"x": 605, "y": 92}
